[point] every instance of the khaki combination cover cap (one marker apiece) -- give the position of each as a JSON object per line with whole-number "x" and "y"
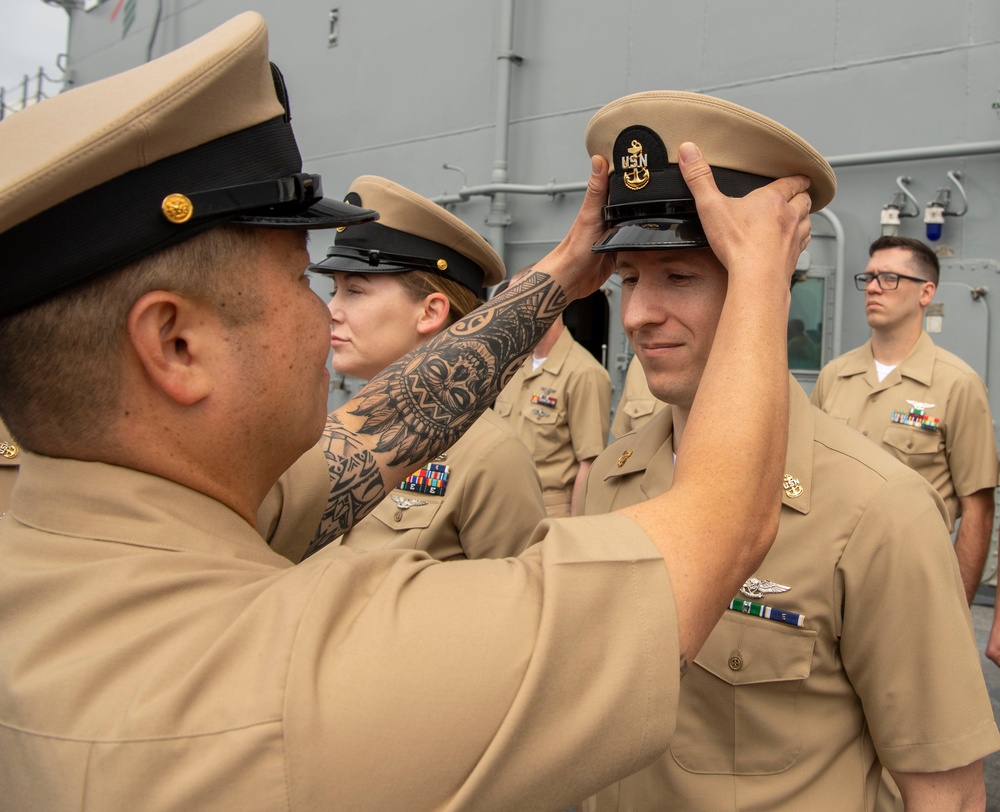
{"x": 95, "y": 164}
{"x": 412, "y": 233}
{"x": 639, "y": 135}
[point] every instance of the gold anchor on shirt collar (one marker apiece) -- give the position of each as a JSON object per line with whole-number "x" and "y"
{"x": 792, "y": 486}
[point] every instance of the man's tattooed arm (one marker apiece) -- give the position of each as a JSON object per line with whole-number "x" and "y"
{"x": 419, "y": 406}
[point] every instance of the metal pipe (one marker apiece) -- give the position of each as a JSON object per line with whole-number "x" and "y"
{"x": 499, "y": 217}
{"x": 857, "y": 159}
{"x": 916, "y": 154}
{"x": 487, "y": 190}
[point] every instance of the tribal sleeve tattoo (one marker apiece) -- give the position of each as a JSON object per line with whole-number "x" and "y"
{"x": 418, "y": 407}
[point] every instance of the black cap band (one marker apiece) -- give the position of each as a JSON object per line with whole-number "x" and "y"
{"x": 252, "y": 176}
{"x": 650, "y": 207}
{"x": 376, "y": 248}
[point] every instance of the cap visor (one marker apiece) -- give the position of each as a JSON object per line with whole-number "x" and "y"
{"x": 356, "y": 265}
{"x": 652, "y": 235}
{"x": 325, "y": 213}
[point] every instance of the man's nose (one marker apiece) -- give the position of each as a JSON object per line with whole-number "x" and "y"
{"x": 640, "y": 309}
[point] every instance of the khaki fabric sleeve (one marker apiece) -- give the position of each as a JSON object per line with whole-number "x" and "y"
{"x": 290, "y": 514}
{"x": 971, "y": 445}
{"x": 589, "y": 411}
{"x": 907, "y": 635}
{"x": 619, "y": 426}
{"x": 502, "y": 501}
{"x": 817, "y": 395}
{"x": 522, "y": 683}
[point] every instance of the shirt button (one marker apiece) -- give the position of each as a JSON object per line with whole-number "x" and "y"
{"x": 398, "y": 516}
{"x": 735, "y": 661}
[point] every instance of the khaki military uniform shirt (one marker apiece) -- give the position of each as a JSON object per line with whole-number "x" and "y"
{"x": 155, "y": 654}
{"x": 637, "y": 404}
{"x": 10, "y": 460}
{"x": 774, "y": 716}
{"x": 480, "y": 499}
{"x": 562, "y": 412}
{"x": 932, "y": 412}
{"x": 290, "y": 514}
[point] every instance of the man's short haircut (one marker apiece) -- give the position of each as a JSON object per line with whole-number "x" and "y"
{"x": 61, "y": 360}
{"x": 923, "y": 260}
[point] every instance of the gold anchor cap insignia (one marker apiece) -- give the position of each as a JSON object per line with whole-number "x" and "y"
{"x": 792, "y": 486}
{"x": 177, "y": 208}
{"x": 623, "y": 458}
{"x": 637, "y": 175}
{"x": 8, "y": 449}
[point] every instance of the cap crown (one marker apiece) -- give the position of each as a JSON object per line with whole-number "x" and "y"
{"x": 730, "y": 137}
{"x": 219, "y": 84}
{"x": 133, "y": 164}
{"x": 412, "y": 232}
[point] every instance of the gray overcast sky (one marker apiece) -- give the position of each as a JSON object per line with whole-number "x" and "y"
{"x": 32, "y": 34}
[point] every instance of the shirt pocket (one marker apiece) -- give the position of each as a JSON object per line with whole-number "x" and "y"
{"x": 388, "y": 522}
{"x": 544, "y": 426}
{"x": 911, "y": 442}
{"x": 640, "y": 407}
{"x": 738, "y": 711}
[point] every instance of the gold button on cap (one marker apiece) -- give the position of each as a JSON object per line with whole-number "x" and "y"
{"x": 177, "y": 208}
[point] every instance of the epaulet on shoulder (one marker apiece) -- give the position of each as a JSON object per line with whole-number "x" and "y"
{"x": 946, "y": 356}
{"x": 851, "y": 443}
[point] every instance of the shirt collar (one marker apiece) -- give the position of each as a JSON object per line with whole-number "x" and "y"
{"x": 651, "y": 453}
{"x": 557, "y": 355}
{"x": 919, "y": 362}
{"x": 94, "y": 500}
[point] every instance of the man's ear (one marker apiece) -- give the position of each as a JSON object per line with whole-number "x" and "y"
{"x": 169, "y": 334}
{"x": 927, "y": 293}
{"x": 433, "y": 317}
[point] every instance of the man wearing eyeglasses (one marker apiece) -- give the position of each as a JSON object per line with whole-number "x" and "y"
{"x": 923, "y": 404}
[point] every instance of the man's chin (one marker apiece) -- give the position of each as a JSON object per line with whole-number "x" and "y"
{"x": 668, "y": 393}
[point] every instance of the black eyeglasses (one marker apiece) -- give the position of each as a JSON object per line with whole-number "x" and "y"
{"x": 886, "y": 281}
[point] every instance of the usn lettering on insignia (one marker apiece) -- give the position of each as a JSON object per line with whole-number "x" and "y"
{"x": 634, "y": 171}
